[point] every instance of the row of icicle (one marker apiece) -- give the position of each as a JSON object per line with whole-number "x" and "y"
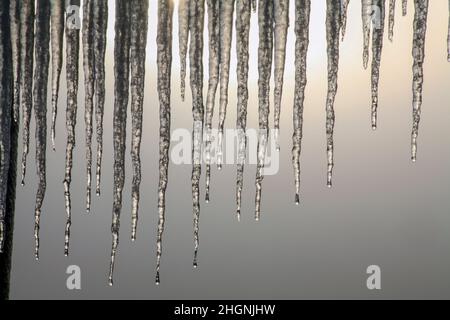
{"x": 38, "y": 29}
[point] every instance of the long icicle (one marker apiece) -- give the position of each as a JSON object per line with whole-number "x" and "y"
{"x": 243, "y": 15}
{"x": 101, "y": 25}
{"x": 226, "y": 34}
{"x": 418, "y": 52}
{"x": 26, "y": 75}
{"x": 14, "y": 14}
{"x": 183, "y": 38}
{"x": 57, "y": 41}
{"x": 345, "y": 4}
{"x": 377, "y": 48}
{"x": 164, "y": 44}
{"x": 121, "y": 91}
{"x": 42, "y": 55}
{"x": 281, "y": 18}
{"x": 6, "y": 108}
{"x": 302, "y": 16}
{"x": 391, "y": 19}
{"x": 404, "y": 7}
{"x": 138, "y": 43}
{"x": 197, "y": 16}
{"x": 366, "y": 13}
{"x": 214, "y": 63}
{"x": 89, "y": 85}
{"x": 332, "y": 25}
{"x": 72, "y": 77}
{"x": 265, "y": 52}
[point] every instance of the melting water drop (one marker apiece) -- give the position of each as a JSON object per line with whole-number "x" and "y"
{"x": 302, "y": 16}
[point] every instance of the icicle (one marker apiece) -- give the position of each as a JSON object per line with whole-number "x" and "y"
{"x": 391, "y": 19}
{"x": 226, "y": 34}
{"x": 42, "y": 56}
{"x": 448, "y": 37}
{"x": 243, "y": 14}
{"x": 101, "y": 24}
{"x": 377, "y": 47}
{"x": 196, "y": 13}
{"x": 254, "y": 5}
{"x": 333, "y": 25}
{"x": 5, "y": 121}
{"x": 344, "y": 17}
{"x": 214, "y": 61}
{"x": 281, "y": 17}
{"x": 89, "y": 84}
{"x": 265, "y": 51}
{"x": 302, "y": 16}
{"x": 418, "y": 52}
{"x": 138, "y": 43}
{"x": 26, "y": 74}
{"x": 183, "y": 38}
{"x": 57, "y": 40}
{"x": 121, "y": 91}
{"x": 72, "y": 59}
{"x": 404, "y": 7}
{"x": 164, "y": 42}
{"x": 14, "y": 13}
{"x": 366, "y": 8}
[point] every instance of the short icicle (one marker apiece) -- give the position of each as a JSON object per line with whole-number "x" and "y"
{"x": 391, "y": 19}
{"x": 377, "y": 48}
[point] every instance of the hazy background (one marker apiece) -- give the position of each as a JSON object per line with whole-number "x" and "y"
{"x": 383, "y": 209}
